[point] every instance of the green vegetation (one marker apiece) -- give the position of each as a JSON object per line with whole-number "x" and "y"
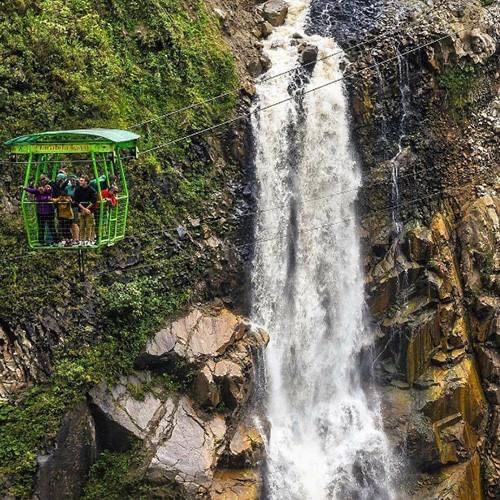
{"x": 459, "y": 82}
{"x": 116, "y": 476}
{"x": 109, "y": 63}
{"x": 92, "y": 63}
{"x": 161, "y": 384}
{"x": 32, "y": 425}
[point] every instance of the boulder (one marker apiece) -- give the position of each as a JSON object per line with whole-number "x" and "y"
{"x": 184, "y": 445}
{"x": 119, "y": 415}
{"x": 308, "y": 53}
{"x": 62, "y": 473}
{"x": 233, "y": 383}
{"x": 242, "y": 484}
{"x": 217, "y": 347}
{"x": 189, "y": 451}
{"x": 222, "y": 382}
{"x": 246, "y": 448}
{"x": 266, "y": 28}
{"x": 259, "y": 65}
{"x": 205, "y": 390}
{"x": 275, "y": 12}
{"x": 199, "y": 335}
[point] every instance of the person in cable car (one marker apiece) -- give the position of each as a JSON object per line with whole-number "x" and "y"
{"x": 44, "y": 210}
{"x": 109, "y": 196}
{"x": 86, "y": 200}
{"x": 59, "y": 185}
{"x": 102, "y": 180}
{"x": 65, "y": 217}
{"x": 70, "y": 191}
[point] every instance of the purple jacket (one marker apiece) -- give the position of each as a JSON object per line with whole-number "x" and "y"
{"x": 43, "y": 207}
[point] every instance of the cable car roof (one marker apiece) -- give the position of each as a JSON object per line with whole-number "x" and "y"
{"x": 101, "y": 135}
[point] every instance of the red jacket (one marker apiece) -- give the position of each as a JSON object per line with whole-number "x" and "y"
{"x": 110, "y": 197}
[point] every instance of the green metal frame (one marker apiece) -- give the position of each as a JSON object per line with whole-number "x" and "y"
{"x": 102, "y": 148}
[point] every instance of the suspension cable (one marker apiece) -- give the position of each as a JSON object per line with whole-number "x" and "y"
{"x": 254, "y": 213}
{"x": 442, "y": 192}
{"x": 290, "y": 70}
{"x": 304, "y": 92}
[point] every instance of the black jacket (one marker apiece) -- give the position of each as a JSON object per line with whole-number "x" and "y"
{"x": 85, "y": 196}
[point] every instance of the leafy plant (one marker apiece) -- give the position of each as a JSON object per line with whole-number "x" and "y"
{"x": 459, "y": 84}
{"x": 116, "y": 476}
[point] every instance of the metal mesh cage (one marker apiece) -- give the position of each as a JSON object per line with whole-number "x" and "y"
{"x": 53, "y": 216}
{"x": 75, "y": 193}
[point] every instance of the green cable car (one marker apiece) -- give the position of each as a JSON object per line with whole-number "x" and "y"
{"x": 75, "y": 192}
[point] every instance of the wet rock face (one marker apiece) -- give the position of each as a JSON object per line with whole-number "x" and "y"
{"x": 440, "y": 339}
{"x": 346, "y": 21}
{"x": 196, "y": 441}
{"x": 432, "y": 264}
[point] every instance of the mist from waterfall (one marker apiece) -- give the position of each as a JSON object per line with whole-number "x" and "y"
{"x": 326, "y": 438}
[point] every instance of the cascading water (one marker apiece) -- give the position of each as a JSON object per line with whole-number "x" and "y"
{"x": 404, "y": 85}
{"x": 326, "y": 439}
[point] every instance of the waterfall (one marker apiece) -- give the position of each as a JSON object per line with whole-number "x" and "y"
{"x": 405, "y": 91}
{"x": 326, "y": 438}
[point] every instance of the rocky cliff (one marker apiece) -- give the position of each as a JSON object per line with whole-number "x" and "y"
{"x": 178, "y": 418}
{"x": 427, "y": 126}
{"x": 119, "y": 384}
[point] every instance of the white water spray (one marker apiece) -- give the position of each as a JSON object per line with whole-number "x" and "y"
{"x": 326, "y": 439}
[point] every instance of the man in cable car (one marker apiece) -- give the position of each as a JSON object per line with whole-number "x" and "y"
{"x": 86, "y": 200}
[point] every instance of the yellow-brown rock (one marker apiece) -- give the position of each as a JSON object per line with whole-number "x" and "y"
{"x": 460, "y": 482}
{"x": 420, "y": 244}
{"x": 457, "y": 389}
{"x": 446, "y": 265}
{"x": 458, "y": 334}
{"x": 236, "y": 485}
{"x": 246, "y": 447}
{"x": 422, "y": 344}
{"x": 455, "y": 439}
